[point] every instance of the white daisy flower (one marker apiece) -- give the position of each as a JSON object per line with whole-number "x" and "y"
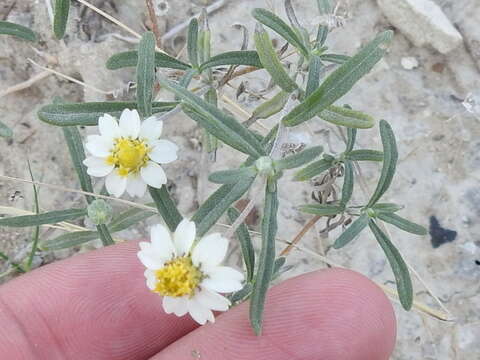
{"x": 189, "y": 276}
{"x": 128, "y": 153}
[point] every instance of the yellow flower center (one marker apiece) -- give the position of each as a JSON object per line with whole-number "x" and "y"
{"x": 179, "y": 277}
{"x": 129, "y": 155}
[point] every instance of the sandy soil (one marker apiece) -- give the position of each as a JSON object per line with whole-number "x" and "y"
{"x": 438, "y": 172}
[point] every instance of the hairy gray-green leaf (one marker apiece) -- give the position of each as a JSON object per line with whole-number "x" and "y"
{"x": 248, "y": 253}
{"x": 241, "y": 295}
{"x": 325, "y": 7}
{"x": 334, "y": 58}
{"x": 166, "y": 207}
{"x": 346, "y": 117}
{"x": 351, "y": 137}
{"x": 130, "y": 59}
{"x": 340, "y": 81}
{"x": 232, "y": 176}
{"x": 312, "y": 170}
{"x": 241, "y": 57}
{"x": 347, "y": 188}
{"x": 51, "y": 217}
{"x": 266, "y": 261}
{"x": 271, "y": 62}
{"x": 272, "y": 21}
{"x": 105, "y": 235}
{"x": 77, "y": 154}
{"x": 390, "y": 157}
{"x": 364, "y": 155}
{"x": 214, "y": 207}
{"x": 129, "y": 217}
{"x": 8, "y": 28}
{"x": 313, "y": 80}
{"x": 399, "y": 268}
{"x": 192, "y": 42}
{"x": 146, "y": 73}
{"x": 299, "y": 159}
{"x": 386, "y": 207}
{"x": 402, "y": 223}
{"x": 87, "y": 114}
{"x": 60, "y": 17}
{"x": 322, "y": 209}
{"x": 269, "y": 107}
{"x": 351, "y": 232}
{"x": 216, "y": 122}
{"x": 69, "y": 240}
{"x": 5, "y": 131}
{"x": 322, "y": 33}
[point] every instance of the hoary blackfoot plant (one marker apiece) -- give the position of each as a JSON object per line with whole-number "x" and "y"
{"x": 183, "y": 257}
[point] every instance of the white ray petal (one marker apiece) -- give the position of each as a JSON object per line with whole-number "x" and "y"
{"x": 153, "y": 175}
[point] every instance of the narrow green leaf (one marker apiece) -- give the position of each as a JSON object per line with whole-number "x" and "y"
{"x": 60, "y": 17}
{"x": 390, "y": 157}
{"x": 77, "y": 154}
{"x": 351, "y": 232}
{"x": 399, "y": 268}
{"x": 216, "y": 205}
{"x": 351, "y": 137}
{"x": 146, "y": 73}
{"x": 5, "y": 131}
{"x": 386, "y": 207}
{"x": 266, "y": 261}
{"x": 186, "y": 79}
{"x": 248, "y": 253}
{"x": 272, "y": 21}
{"x": 241, "y": 295}
{"x": 241, "y": 57}
{"x": 17, "y": 267}
{"x": 51, "y": 217}
{"x": 334, "y": 58}
{"x": 105, "y": 235}
{"x": 192, "y": 42}
{"x": 271, "y": 62}
{"x": 322, "y": 33}
{"x": 322, "y": 209}
{"x": 232, "y": 176}
{"x": 215, "y": 121}
{"x": 269, "y": 107}
{"x": 299, "y": 159}
{"x": 312, "y": 170}
{"x": 87, "y": 114}
{"x": 340, "y": 81}
{"x": 402, "y": 223}
{"x": 129, "y": 217}
{"x": 313, "y": 80}
{"x": 130, "y": 59}
{"x": 325, "y": 7}
{"x": 365, "y": 155}
{"x": 166, "y": 207}
{"x": 347, "y": 188}
{"x": 69, "y": 240}
{"x": 36, "y": 231}
{"x": 346, "y": 117}
{"x": 8, "y": 28}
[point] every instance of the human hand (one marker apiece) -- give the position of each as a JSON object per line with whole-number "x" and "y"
{"x": 96, "y": 306}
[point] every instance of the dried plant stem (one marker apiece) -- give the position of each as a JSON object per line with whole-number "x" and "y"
{"x": 69, "y": 78}
{"x": 26, "y": 84}
{"x": 300, "y": 235}
{"x": 61, "y": 188}
{"x": 114, "y": 20}
{"x": 153, "y": 18}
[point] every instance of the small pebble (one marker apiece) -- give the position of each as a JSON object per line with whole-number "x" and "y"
{"x": 409, "y": 63}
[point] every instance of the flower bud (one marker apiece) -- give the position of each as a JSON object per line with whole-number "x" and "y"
{"x": 100, "y": 212}
{"x": 264, "y": 166}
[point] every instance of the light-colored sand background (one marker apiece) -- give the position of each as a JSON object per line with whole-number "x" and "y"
{"x": 438, "y": 171}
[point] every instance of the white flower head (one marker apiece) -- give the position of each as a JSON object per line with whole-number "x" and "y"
{"x": 128, "y": 153}
{"x": 189, "y": 276}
